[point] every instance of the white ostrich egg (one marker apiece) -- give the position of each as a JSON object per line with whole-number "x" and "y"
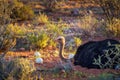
{"x": 37, "y": 54}
{"x": 39, "y": 60}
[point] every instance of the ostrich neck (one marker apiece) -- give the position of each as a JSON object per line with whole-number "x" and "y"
{"x": 61, "y": 53}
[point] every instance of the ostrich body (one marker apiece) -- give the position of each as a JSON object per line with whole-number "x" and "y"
{"x": 87, "y": 52}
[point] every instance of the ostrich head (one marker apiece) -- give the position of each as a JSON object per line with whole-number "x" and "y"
{"x": 61, "y": 40}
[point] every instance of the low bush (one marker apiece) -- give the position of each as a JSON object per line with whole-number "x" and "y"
{"x": 42, "y": 19}
{"x": 15, "y": 30}
{"x": 19, "y": 69}
{"x": 77, "y": 41}
{"x": 111, "y": 8}
{"x": 104, "y": 76}
{"x": 51, "y": 5}
{"x": 88, "y": 22}
{"x": 55, "y": 30}
{"x": 38, "y": 40}
{"x": 23, "y": 13}
{"x": 113, "y": 28}
{"x": 110, "y": 56}
{"x": 16, "y": 69}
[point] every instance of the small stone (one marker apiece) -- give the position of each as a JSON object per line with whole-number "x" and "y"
{"x": 22, "y": 49}
{"x": 75, "y": 12}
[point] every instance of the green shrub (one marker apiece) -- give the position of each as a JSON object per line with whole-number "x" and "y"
{"x": 55, "y": 30}
{"x": 16, "y": 69}
{"x": 42, "y": 18}
{"x": 111, "y": 8}
{"x": 50, "y": 31}
{"x": 104, "y": 76}
{"x": 111, "y": 61}
{"x": 77, "y": 41}
{"x": 23, "y": 13}
{"x": 9, "y": 33}
{"x": 38, "y": 40}
{"x": 7, "y": 39}
{"x": 113, "y": 28}
{"x": 88, "y": 23}
{"x": 17, "y": 3}
{"x": 15, "y": 30}
{"x": 51, "y": 5}
{"x": 19, "y": 69}
{"x": 5, "y": 11}
{"x": 43, "y": 40}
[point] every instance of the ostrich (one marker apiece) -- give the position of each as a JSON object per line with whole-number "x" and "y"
{"x": 61, "y": 41}
{"x": 68, "y": 65}
{"x": 86, "y": 53}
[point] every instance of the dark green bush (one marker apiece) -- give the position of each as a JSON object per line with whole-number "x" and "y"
{"x": 19, "y": 68}
{"x": 16, "y": 69}
{"x": 111, "y": 8}
{"x": 5, "y": 11}
{"x": 23, "y": 13}
{"x": 7, "y": 40}
{"x": 51, "y": 5}
{"x": 113, "y": 28}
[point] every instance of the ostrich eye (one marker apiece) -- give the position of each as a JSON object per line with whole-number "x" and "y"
{"x": 59, "y": 39}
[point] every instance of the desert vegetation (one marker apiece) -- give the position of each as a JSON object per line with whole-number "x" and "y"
{"x": 27, "y": 26}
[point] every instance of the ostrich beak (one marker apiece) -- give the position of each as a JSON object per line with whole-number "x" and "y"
{"x": 55, "y": 40}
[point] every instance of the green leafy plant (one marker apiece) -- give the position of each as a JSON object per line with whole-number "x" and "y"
{"x": 19, "y": 68}
{"x": 79, "y": 74}
{"x": 15, "y": 30}
{"x": 88, "y": 22}
{"x": 43, "y": 40}
{"x": 42, "y": 18}
{"x": 5, "y": 11}
{"x": 7, "y": 38}
{"x": 113, "y": 29}
{"x": 111, "y": 61}
{"x": 55, "y": 30}
{"x": 77, "y": 41}
{"x": 21, "y": 11}
{"x": 39, "y": 40}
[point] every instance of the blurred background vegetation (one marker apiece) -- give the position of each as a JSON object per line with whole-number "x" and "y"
{"x": 36, "y": 13}
{"x": 34, "y": 24}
